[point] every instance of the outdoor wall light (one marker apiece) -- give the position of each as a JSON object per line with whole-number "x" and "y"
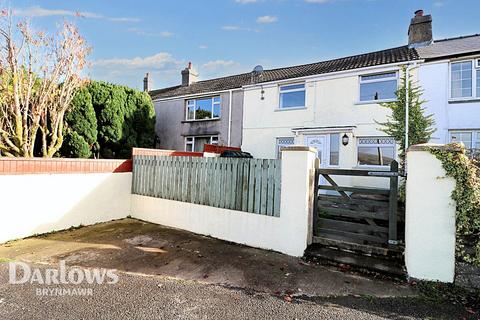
{"x": 345, "y": 139}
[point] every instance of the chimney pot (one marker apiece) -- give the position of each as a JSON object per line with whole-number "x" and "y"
{"x": 189, "y": 75}
{"x": 146, "y": 82}
{"x": 419, "y": 13}
{"x": 420, "y": 30}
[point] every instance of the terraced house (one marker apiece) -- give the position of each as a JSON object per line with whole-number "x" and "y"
{"x": 330, "y": 105}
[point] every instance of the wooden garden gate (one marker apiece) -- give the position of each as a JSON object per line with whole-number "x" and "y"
{"x": 359, "y": 215}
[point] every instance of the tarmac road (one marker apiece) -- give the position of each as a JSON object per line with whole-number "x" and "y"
{"x": 154, "y": 297}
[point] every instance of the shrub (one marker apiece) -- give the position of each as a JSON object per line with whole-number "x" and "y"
{"x": 112, "y": 119}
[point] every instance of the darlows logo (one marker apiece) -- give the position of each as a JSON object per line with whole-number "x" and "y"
{"x": 22, "y": 273}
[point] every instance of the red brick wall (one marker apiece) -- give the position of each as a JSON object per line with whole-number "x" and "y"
{"x": 160, "y": 152}
{"x": 60, "y": 165}
{"x": 218, "y": 149}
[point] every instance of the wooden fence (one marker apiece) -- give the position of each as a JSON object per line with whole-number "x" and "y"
{"x": 250, "y": 185}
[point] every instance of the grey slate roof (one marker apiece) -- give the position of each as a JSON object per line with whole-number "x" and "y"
{"x": 450, "y": 47}
{"x": 393, "y": 55}
{"x": 438, "y": 49}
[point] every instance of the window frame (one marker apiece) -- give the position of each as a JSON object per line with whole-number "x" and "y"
{"x": 280, "y": 92}
{"x": 329, "y": 149}
{"x": 360, "y": 82}
{"x": 194, "y": 105}
{"x": 212, "y": 138}
{"x": 474, "y": 132}
{"x": 278, "y": 145}
{"x": 475, "y": 72}
{"x": 394, "y": 145}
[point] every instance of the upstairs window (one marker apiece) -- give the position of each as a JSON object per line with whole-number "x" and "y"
{"x": 461, "y": 82}
{"x": 292, "y": 96}
{"x": 203, "y": 109}
{"x": 465, "y": 79}
{"x": 378, "y": 87}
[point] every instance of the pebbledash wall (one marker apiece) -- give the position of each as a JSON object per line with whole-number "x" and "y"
{"x": 39, "y": 196}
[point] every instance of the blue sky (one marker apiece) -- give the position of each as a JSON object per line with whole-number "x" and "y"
{"x": 223, "y": 37}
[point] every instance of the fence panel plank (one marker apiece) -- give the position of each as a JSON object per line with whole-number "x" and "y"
{"x": 251, "y": 185}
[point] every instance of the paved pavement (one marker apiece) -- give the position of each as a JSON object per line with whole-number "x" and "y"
{"x": 156, "y": 297}
{"x": 172, "y": 274}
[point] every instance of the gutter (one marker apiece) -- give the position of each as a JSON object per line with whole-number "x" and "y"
{"x": 331, "y": 74}
{"x": 197, "y": 95}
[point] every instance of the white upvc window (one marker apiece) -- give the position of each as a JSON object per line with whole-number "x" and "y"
{"x": 470, "y": 138}
{"x": 378, "y": 87}
{"x": 203, "y": 108}
{"x": 376, "y": 151}
{"x": 292, "y": 96}
{"x": 283, "y": 142}
{"x": 465, "y": 79}
{"x": 334, "y": 149}
{"x": 196, "y": 144}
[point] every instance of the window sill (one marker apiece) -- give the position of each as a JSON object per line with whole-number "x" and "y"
{"x": 201, "y": 120}
{"x": 290, "y": 109}
{"x": 463, "y": 100}
{"x": 374, "y": 101}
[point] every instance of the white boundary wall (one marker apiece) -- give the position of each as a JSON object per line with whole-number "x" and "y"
{"x": 290, "y": 233}
{"x": 430, "y": 218}
{"x": 39, "y": 203}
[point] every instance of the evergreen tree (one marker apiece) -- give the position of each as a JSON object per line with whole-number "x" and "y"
{"x": 420, "y": 125}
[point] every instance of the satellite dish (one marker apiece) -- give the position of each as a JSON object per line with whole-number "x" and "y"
{"x": 258, "y": 70}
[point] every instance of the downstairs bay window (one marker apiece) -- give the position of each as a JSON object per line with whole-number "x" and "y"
{"x": 196, "y": 144}
{"x": 375, "y": 151}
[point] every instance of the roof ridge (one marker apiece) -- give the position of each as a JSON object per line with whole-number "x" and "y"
{"x": 224, "y": 77}
{"x": 457, "y": 38}
{"x": 346, "y": 57}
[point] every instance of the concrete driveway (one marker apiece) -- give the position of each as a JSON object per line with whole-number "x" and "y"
{"x": 176, "y": 274}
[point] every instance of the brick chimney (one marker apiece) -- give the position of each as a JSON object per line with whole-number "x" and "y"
{"x": 146, "y": 82}
{"x": 420, "y": 30}
{"x": 189, "y": 76}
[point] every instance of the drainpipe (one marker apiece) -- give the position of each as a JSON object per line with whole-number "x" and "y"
{"x": 230, "y": 117}
{"x": 407, "y": 105}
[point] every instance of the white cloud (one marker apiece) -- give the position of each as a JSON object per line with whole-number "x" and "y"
{"x": 155, "y": 62}
{"x": 140, "y": 32}
{"x": 438, "y": 4}
{"x": 203, "y": 46}
{"x": 163, "y": 68}
{"x": 37, "y": 11}
{"x": 246, "y": 1}
{"x": 238, "y": 28}
{"x": 215, "y": 64}
{"x": 267, "y": 19}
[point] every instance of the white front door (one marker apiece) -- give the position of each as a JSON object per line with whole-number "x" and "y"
{"x": 319, "y": 143}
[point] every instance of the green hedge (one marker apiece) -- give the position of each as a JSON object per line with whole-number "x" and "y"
{"x": 108, "y": 120}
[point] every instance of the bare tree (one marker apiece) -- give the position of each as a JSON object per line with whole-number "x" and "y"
{"x": 39, "y": 75}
